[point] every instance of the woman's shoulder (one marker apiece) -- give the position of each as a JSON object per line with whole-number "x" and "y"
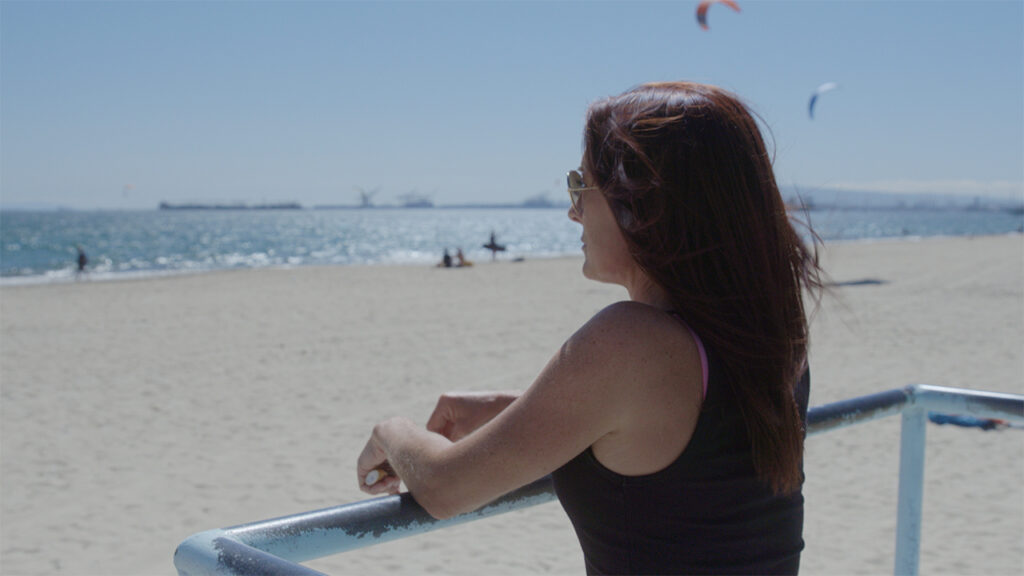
{"x": 635, "y": 330}
{"x": 655, "y": 370}
{"x": 637, "y": 319}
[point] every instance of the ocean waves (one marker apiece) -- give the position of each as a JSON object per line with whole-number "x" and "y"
{"x": 41, "y": 246}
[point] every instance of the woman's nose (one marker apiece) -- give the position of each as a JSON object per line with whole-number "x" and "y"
{"x": 573, "y": 215}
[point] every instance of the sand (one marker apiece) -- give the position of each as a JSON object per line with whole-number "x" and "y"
{"x": 136, "y": 413}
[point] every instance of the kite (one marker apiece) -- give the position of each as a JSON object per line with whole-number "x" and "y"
{"x": 702, "y": 10}
{"x": 826, "y": 87}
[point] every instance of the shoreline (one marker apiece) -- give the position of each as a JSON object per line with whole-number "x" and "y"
{"x": 137, "y": 413}
{"x": 146, "y": 275}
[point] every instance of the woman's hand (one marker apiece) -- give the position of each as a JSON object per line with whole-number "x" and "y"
{"x": 458, "y": 414}
{"x": 373, "y": 458}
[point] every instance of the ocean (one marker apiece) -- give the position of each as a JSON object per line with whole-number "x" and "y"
{"x": 40, "y": 247}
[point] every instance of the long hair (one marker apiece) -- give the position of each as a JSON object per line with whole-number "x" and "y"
{"x": 690, "y": 181}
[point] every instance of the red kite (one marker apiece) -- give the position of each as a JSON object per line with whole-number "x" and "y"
{"x": 702, "y": 10}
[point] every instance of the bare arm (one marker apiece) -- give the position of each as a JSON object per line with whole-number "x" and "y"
{"x": 587, "y": 391}
{"x": 456, "y": 415}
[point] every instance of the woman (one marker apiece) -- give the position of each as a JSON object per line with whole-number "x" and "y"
{"x": 672, "y": 423}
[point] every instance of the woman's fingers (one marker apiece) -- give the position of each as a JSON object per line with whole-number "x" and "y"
{"x": 386, "y": 485}
{"x": 372, "y": 468}
{"x": 443, "y": 419}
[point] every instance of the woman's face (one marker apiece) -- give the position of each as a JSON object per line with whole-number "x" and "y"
{"x": 606, "y": 255}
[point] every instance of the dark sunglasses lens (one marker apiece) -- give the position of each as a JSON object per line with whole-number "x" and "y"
{"x": 575, "y": 180}
{"x": 575, "y": 184}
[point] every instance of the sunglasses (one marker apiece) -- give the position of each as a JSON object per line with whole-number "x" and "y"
{"x": 574, "y": 181}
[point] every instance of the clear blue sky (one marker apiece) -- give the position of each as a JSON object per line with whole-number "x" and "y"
{"x": 125, "y": 104}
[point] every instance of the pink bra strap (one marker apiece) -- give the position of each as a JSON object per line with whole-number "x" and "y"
{"x": 701, "y": 350}
{"x": 703, "y": 360}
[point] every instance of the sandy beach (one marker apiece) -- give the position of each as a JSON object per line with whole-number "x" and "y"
{"x": 136, "y": 413}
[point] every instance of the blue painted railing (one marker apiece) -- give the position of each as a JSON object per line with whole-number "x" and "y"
{"x": 277, "y": 546}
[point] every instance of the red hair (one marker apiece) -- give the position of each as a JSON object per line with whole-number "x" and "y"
{"x": 688, "y": 176}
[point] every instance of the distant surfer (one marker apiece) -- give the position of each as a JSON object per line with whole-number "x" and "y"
{"x": 82, "y": 259}
{"x": 494, "y": 247}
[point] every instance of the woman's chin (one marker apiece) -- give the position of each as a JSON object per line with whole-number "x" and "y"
{"x": 588, "y": 270}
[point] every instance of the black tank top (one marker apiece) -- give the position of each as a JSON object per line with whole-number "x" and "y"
{"x": 706, "y": 513}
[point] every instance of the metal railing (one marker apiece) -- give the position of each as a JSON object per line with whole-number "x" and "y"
{"x": 277, "y": 546}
